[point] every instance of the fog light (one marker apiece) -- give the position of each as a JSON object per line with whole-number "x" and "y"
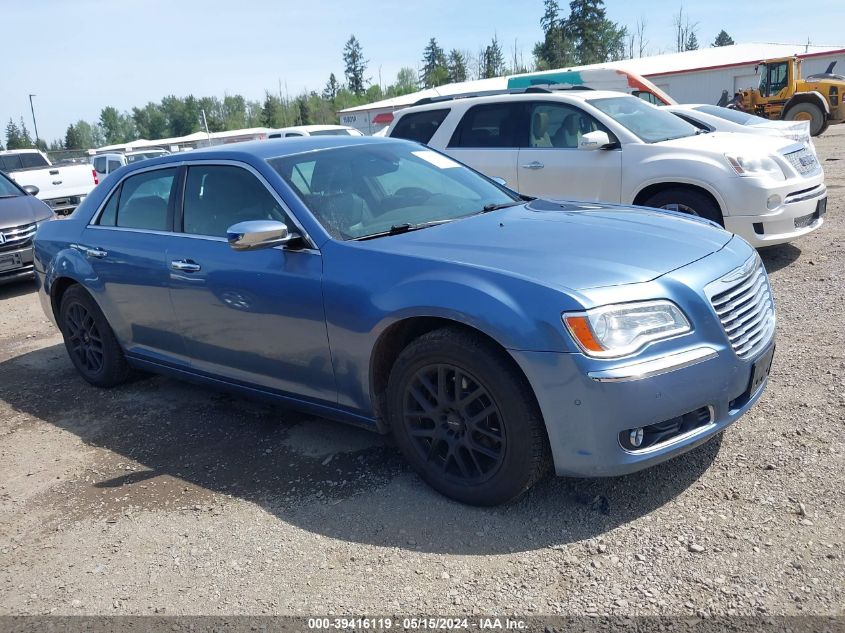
{"x": 773, "y": 202}
{"x": 636, "y": 437}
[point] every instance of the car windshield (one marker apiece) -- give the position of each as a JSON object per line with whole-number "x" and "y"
{"x": 648, "y": 122}
{"x": 734, "y": 116}
{"x": 377, "y": 189}
{"x": 7, "y": 188}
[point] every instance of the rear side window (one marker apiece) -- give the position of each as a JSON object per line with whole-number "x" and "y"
{"x": 419, "y": 126}
{"x": 10, "y": 162}
{"x": 493, "y": 125}
{"x": 141, "y": 202}
{"x": 33, "y": 160}
{"x": 100, "y": 164}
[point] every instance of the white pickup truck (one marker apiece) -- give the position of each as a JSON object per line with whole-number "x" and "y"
{"x": 61, "y": 186}
{"x": 612, "y": 147}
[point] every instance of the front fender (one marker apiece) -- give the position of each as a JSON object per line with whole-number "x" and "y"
{"x": 810, "y": 96}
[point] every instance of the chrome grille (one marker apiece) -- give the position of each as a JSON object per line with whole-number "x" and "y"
{"x": 804, "y": 161}
{"x": 747, "y": 312}
{"x": 16, "y": 237}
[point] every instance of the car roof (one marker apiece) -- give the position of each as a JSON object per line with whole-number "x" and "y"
{"x": 568, "y": 95}
{"x": 268, "y": 149}
{"x": 309, "y": 128}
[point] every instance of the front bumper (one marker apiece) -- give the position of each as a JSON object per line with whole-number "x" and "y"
{"x": 25, "y": 270}
{"x": 798, "y": 214}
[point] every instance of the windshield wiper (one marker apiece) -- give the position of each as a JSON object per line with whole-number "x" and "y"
{"x": 496, "y": 206}
{"x": 405, "y": 227}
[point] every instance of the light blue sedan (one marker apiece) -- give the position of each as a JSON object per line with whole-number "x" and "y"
{"x": 381, "y": 283}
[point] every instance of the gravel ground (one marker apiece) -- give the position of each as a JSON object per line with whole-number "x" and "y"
{"x": 159, "y": 497}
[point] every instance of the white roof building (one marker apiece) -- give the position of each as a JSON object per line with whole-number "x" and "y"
{"x": 691, "y": 77}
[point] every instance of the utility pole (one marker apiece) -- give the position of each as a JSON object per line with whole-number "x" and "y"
{"x": 32, "y": 108}
{"x": 205, "y": 125}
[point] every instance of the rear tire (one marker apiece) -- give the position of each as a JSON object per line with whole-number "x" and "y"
{"x": 687, "y": 201}
{"x": 466, "y": 419}
{"x": 818, "y": 123}
{"x": 90, "y": 341}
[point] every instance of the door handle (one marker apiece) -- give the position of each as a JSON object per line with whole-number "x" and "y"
{"x": 97, "y": 253}
{"x": 185, "y": 266}
{"x": 534, "y": 165}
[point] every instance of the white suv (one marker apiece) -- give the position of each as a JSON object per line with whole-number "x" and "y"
{"x": 612, "y": 147}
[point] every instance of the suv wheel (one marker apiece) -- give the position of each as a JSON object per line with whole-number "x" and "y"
{"x": 686, "y": 201}
{"x": 465, "y": 419}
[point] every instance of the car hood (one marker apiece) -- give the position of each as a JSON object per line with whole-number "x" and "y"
{"x": 732, "y": 143}
{"x": 22, "y": 210}
{"x": 567, "y": 245}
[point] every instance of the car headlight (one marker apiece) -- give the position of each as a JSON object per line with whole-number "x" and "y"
{"x": 755, "y": 165}
{"x": 621, "y": 329}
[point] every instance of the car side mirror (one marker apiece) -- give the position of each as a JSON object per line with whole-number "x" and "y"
{"x": 257, "y": 234}
{"x": 31, "y": 190}
{"x": 595, "y": 140}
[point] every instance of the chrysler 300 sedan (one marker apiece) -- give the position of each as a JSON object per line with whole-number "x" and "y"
{"x": 381, "y": 283}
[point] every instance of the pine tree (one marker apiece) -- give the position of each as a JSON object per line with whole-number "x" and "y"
{"x": 355, "y": 65}
{"x": 271, "y": 111}
{"x": 302, "y": 109}
{"x": 596, "y": 39}
{"x": 25, "y": 137}
{"x": 434, "y": 72}
{"x": 457, "y": 66}
{"x": 692, "y": 42}
{"x": 493, "y": 64}
{"x": 331, "y": 89}
{"x": 723, "y": 39}
{"x": 14, "y": 139}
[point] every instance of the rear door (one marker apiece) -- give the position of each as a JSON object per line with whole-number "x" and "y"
{"x": 552, "y": 166}
{"x": 125, "y": 245}
{"x": 255, "y": 317}
{"x": 488, "y": 138}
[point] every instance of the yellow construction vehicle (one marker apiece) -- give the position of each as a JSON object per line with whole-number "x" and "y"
{"x": 783, "y": 94}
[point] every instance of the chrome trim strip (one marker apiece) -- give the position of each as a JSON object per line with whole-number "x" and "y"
{"x": 678, "y": 439}
{"x": 655, "y": 367}
{"x": 815, "y": 192}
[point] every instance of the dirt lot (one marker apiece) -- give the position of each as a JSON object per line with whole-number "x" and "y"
{"x": 159, "y": 497}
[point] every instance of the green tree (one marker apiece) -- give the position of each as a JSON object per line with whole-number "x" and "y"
{"x": 303, "y": 114}
{"x": 434, "y": 71}
{"x": 150, "y": 121}
{"x": 557, "y": 49}
{"x": 272, "y": 112}
{"x": 83, "y": 135}
{"x": 234, "y": 112}
{"x": 493, "y": 60}
{"x": 456, "y": 64}
{"x": 182, "y": 116}
{"x": 692, "y": 42}
{"x": 355, "y": 65}
{"x": 723, "y": 39}
{"x": 14, "y": 138}
{"x": 331, "y": 89}
{"x": 26, "y": 139}
{"x": 406, "y": 83}
{"x": 596, "y": 39}
{"x": 56, "y": 145}
{"x": 213, "y": 113}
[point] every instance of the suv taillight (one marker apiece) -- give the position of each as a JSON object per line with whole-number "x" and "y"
{"x": 96, "y": 178}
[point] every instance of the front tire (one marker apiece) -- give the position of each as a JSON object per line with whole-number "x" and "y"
{"x": 466, "y": 419}
{"x": 687, "y": 201}
{"x": 90, "y": 341}
{"x": 808, "y": 112}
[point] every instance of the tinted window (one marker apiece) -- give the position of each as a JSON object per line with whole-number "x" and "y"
{"x": 143, "y": 200}
{"x": 419, "y": 126}
{"x": 560, "y": 125}
{"x": 330, "y": 133}
{"x": 33, "y": 160}
{"x": 289, "y": 134}
{"x": 494, "y": 125}
{"x": 100, "y": 164}
{"x": 109, "y": 215}
{"x": 113, "y": 165}
{"x": 10, "y": 162}
{"x": 218, "y": 196}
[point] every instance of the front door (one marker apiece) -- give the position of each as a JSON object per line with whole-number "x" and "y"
{"x": 552, "y": 166}
{"x": 254, "y": 317}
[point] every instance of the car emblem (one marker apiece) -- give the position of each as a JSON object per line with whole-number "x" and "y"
{"x": 743, "y": 271}
{"x": 806, "y": 161}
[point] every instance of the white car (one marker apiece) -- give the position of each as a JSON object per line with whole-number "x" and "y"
{"x": 613, "y": 147}
{"x": 713, "y": 118}
{"x": 314, "y": 130}
{"x": 104, "y": 164}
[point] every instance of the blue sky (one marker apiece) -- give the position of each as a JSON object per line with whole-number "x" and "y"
{"x": 81, "y": 55}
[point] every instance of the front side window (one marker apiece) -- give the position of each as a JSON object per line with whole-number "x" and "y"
{"x": 560, "y": 125}
{"x": 493, "y": 125}
{"x": 218, "y": 196}
{"x": 141, "y": 201}
{"x": 648, "y": 123}
{"x": 369, "y": 190}
{"x": 777, "y": 79}
{"x": 10, "y": 162}
{"x": 419, "y": 126}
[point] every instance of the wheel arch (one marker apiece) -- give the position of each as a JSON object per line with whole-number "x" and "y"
{"x": 397, "y": 336}
{"x": 811, "y": 96}
{"x": 654, "y": 188}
